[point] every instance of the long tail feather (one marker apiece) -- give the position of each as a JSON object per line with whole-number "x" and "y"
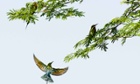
{"x": 47, "y": 78}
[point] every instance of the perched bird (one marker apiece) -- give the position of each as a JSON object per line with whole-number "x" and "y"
{"x": 49, "y": 70}
{"x": 92, "y": 31}
{"x": 90, "y": 36}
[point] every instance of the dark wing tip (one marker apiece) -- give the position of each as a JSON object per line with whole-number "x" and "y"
{"x": 33, "y": 55}
{"x": 66, "y": 68}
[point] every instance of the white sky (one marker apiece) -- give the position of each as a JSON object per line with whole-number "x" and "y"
{"x": 52, "y": 41}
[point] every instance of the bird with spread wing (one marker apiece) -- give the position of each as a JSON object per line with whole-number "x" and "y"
{"x": 49, "y": 70}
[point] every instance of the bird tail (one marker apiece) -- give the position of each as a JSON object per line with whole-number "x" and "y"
{"x": 47, "y": 78}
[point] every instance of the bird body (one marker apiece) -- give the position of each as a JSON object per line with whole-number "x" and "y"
{"x": 92, "y": 31}
{"x": 91, "y": 35}
{"x": 49, "y": 70}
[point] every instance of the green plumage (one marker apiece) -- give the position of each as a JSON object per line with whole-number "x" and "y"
{"x": 49, "y": 70}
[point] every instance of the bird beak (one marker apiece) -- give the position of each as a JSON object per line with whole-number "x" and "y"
{"x": 51, "y": 62}
{"x": 96, "y": 24}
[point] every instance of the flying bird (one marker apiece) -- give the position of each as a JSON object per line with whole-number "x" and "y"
{"x": 49, "y": 70}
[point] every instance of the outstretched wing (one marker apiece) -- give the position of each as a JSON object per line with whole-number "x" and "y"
{"x": 40, "y": 64}
{"x": 59, "y": 71}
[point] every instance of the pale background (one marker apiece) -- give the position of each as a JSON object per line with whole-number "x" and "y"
{"x": 52, "y": 41}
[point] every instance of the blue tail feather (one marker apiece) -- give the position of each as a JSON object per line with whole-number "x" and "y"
{"x": 47, "y": 77}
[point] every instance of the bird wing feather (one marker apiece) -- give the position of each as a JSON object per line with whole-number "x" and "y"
{"x": 59, "y": 71}
{"x": 40, "y": 64}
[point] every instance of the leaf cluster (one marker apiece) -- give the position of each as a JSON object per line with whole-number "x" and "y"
{"x": 50, "y": 9}
{"x": 123, "y": 27}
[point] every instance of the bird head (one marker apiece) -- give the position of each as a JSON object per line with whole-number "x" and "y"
{"x": 94, "y": 25}
{"x": 50, "y": 65}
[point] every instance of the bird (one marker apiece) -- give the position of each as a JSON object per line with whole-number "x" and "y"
{"x": 49, "y": 70}
{"x": 90, "y": 36}
{"x": 92, "y": 31}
